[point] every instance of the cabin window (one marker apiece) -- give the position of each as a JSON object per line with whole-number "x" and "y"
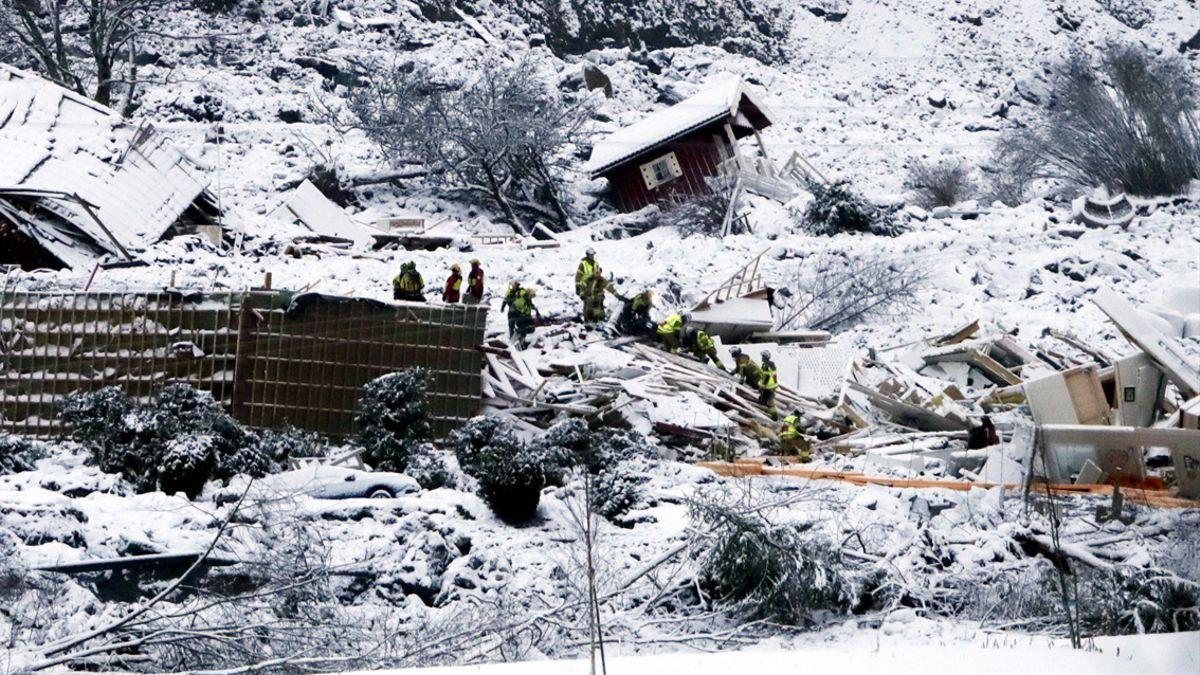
{"x": 662, "y": 170}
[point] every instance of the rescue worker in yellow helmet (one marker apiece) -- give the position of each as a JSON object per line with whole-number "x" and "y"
{"x": 768, "y": 385}
{"x": 453, "y": 290}
{"x": 670, "y": 332}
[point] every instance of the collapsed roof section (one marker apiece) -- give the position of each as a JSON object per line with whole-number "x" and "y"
{"x": 308, "y": 208}
{"x": 79, "y": 182}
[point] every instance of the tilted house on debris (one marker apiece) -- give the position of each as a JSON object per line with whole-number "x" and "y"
{"x": 79, "y": 183}
{"x": 676, "y": 151}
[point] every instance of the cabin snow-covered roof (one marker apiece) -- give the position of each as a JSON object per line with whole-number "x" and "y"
{"x": 717, "y": 100}
{"x": 56, "y": 141}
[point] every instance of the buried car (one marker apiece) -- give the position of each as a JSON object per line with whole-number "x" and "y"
{"x": 321, "y": 481}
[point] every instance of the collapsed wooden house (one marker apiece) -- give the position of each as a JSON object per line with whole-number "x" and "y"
{"x": 79, "y": 183}
{"x": 678, "y": 151}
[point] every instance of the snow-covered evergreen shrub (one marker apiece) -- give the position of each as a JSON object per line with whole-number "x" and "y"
{"x": 835, "y": 208}
{"x": 762, "y": 569}
{"x": 427, "y": 467}
{"x": 606, "y": 454}
{"x": 393, "y": 418}
{"x": 509, "y": 472}
{"x": 278, "y": 445}
{"x": 18, "y": 454}
{"x": 178, "y": 441}
{"x": 472, "y": 439}
{"x": 13, "y": 571}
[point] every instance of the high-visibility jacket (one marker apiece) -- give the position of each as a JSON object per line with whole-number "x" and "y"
{"x": 475, "y": 282}
{"x": 671, "y": 326}
{"x": 409, "y": 281}
{"x": 520, "y": 302}
{"x": 751, "y": 375}
{"x": 704, "y": 343}
{"x": 769, "y": 377}
{"x": 584, "y": 274}
{"x": 453, "y": 289}
{"x": 789, "y": 429}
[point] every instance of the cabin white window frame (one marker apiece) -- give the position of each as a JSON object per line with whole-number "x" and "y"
{"x": 661, "y": 170}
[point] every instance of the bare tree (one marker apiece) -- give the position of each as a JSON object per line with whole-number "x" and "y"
{"x": 501, "y": 136}
{"x": 939, "y": 183}
{"x": 1128, "y": 123}
{"x": 107, "y": 33}
{"x": 836, "y": 291}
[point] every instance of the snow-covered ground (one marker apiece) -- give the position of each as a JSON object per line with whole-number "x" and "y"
{"x": 894, "y": 81}
{"x": 895, "y": 653}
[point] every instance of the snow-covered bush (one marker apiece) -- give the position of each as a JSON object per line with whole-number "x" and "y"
{"x": 936, "y": 184}
{"x": 1128, "y": 123}
{"x": 178, "y": 441}
{"x": 393, "y": 418}
{"x": 509, "y": 472}
{"x": 570, "y": 446}
{"x": 836, "y": 208}
{"x": 762, "y": 569}
{"x": 18, "y": 454}
{"x": 427, "y": 467}
{"x": 472, "y": 439}
{"x": 13, "y": 571}
{"x": 278, "y": 445}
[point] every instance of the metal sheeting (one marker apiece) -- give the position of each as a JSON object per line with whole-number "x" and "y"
{"x": 261, "y": 357}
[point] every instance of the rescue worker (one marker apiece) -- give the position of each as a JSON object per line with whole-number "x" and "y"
{"x": 701, "y": 345}
{"x": 752, "y": 376}
{"x": 521, "y": 310}
{"x": 593, "y": 299}
{"x": 408, "y": 284}
{"x": 768, "y": 385}
{"x": 453, "y": 290}
{"x": 790, "y": 439}
{"x": 670, "y": 332}
{"x": 634, "y": 318}
{"x": 474, "y": 294}
{"x": 587, "y": 270}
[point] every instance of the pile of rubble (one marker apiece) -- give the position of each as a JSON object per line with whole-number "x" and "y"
{"x": 968, "y": 409}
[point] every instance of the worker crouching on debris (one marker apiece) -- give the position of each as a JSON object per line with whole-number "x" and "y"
{"x": 701, "y": 345}
{"x": 521, "y": 310}
{"x": 408, "y": 284}
{"x": 790, "y": 439}
{"x": 634, "y": 318}
{"x": 670, "y": 332}
{"x": 453, "y": 290}
{"x": 474, "y": 294}
{"x": 752, "y": 376}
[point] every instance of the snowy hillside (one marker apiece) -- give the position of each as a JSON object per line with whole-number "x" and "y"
{"x": 955, "y": 570}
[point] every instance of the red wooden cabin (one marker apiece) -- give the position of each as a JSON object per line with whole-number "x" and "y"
{"x": 675, "y": 151}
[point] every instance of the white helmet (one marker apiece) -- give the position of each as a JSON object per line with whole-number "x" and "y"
{"x": 590, "y": 251}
